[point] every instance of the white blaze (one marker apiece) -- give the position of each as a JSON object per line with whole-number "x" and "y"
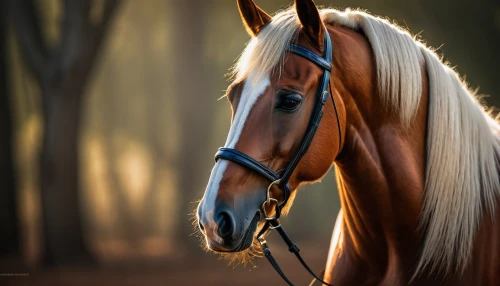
{"x": 251, "y": 92}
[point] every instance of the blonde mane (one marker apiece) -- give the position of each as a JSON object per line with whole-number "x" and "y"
{"x": 463, "y": 141}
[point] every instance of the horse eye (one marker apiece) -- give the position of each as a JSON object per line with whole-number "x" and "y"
{"x": 290, "y": 102}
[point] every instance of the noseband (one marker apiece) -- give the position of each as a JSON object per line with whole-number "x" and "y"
{"x": 281, "y": 180}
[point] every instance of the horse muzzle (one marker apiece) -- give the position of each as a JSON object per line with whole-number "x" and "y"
{"x": 222, "y": 232}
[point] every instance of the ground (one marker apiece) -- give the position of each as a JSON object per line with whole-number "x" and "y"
{"x": 204, "y": 269}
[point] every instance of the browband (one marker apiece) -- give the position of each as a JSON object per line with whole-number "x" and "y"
{"x": 312, "y": 57}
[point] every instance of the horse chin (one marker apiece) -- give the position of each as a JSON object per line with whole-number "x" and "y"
{"x": 249, "y": 248}
{"x": 242, "y": 257}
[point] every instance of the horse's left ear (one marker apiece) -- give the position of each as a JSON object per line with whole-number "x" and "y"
{"x": 311, "y": 22}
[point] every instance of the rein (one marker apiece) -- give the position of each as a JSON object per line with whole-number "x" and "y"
{"x": 281, "y": 180}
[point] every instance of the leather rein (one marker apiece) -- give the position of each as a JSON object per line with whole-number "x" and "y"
{"x": 281, "y": 180}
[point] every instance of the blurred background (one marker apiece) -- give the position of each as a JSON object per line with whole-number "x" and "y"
{"x": 109, "y": 119}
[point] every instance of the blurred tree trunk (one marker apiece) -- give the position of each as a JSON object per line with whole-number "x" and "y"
{"x": 195, "y": 105}
{"x": 62, "y": 73}
{"x": 155, "y": 130}
{"x": 9, "y": 223}
{"x": 126, "y": 224}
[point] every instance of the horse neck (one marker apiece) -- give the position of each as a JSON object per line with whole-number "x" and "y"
{"x": 381, "y": 191}
{"x": 381, "y": 185}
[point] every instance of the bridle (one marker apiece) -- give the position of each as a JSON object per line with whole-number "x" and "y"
{"x": 281, "y": 180}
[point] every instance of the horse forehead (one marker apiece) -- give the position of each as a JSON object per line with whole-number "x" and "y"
{"x": 245, "y": 93}
{"x": 298, "y": 73}
{"x": 251, "y": 91}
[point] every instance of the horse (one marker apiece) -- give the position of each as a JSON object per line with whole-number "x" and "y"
{"x": 416, "y": 154}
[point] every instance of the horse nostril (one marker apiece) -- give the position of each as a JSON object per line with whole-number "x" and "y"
{"x": 225, "y": 223}
{"x": 200, "y": 225}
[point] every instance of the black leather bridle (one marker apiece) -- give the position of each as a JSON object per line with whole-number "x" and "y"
{"x": 281, "y": 180}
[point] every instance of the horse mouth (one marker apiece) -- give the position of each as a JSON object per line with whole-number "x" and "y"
{"x": 247, "y": 240}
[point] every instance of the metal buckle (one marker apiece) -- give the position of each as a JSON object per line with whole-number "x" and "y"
{"x": 262, "y": 240}
{"x": 263, "y": 208}
{"x": 275, "y": 227}
{"x": 268, "y": 198}
{"x": 269, "y": 201}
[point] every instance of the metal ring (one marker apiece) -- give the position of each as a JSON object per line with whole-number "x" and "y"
{"x": 268, "y": 198}
{"x": 262, "y": 241}
{"x": 263, "y": 207}
{"x": 275, "y": 227}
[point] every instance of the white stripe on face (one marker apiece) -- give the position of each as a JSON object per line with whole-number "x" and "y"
{"x": 251, "y": 92}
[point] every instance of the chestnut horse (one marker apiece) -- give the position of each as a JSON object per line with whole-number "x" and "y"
{"x": 417, "y": 158}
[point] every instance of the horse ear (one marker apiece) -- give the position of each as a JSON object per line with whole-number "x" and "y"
{"x": 311, "y": 22}
{"x": 252, "y": 16}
